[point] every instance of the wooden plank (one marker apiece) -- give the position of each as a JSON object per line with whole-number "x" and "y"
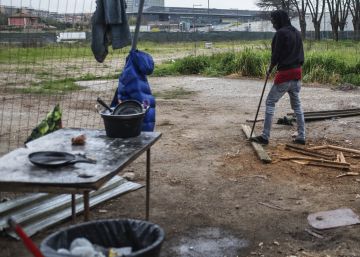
{"x": 348, "y": 174}
{"x": 308, "y": 152}
{"x": 330, "y": 164}
{"x": 307, "y": 159}
{"x": 318, "y": 162}
{"x": 319, "y": 147}
{"x": 262, "y": 154}
{"x": 342, "y": 157}
{"x": 334, "y": 147}
{"x": 349, "y": 150}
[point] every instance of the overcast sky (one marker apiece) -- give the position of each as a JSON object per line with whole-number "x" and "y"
{"x": 71, "y": 6}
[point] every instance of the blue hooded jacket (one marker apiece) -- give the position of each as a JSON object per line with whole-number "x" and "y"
{"x": 133, "y": 85}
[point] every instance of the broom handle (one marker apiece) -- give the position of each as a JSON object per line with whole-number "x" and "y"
{"x": 257, "y": 112}
{"x": 24, "y": 237}
{"x": 138, "y": 23}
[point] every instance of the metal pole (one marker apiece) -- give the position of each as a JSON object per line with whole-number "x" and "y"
{"x": 257, "y": 112}
{"x": 73, "y": 208}
{"x": 138, "y": 23}
{"x": 86, "y": 198}
{"x": 147, "y": 207}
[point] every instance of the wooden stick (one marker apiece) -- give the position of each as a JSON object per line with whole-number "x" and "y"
{"x": 308, "y": 152}
{"x": 306, "y": 159}
{"x": 318, "y": 147}
{"x": 318, "y": 162}
{"x": 330, "y": 164}
{"x": 342, "y": 158}
{"x": 258, "y": 120}
{"x": 338, "y": 158}
{"x": 349, "y": 150}
{"x": 348, "y": 174}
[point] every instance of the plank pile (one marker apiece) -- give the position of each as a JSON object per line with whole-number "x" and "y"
{"x": 321, "y": 115}
{"x": 316, "y": 158}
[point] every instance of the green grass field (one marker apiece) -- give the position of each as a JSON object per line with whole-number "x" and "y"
{"x": 327, "y": 62}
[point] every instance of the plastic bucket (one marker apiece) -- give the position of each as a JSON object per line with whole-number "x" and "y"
{"x": 144, "y": 237}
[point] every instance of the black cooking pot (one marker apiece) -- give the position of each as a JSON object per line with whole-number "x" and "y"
{"x": 124, "y": 125}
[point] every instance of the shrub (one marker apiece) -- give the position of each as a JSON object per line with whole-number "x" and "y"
{"x": 251, "y": 63}
{"x": 321, "y": 75}
{"x": 352, "y": 78}
{"x": 226, "y": 63}
{"x": 191, "y": 65}
{"x": 165, "y": 70}
{"x": 329, "y": 63}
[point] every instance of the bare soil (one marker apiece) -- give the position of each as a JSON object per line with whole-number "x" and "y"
{"x": 209, "y": 188}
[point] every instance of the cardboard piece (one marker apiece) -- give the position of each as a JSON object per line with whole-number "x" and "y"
{"x": 333, "y": 218}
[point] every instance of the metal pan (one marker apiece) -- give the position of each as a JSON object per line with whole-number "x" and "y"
{"x": 57, "y": 159}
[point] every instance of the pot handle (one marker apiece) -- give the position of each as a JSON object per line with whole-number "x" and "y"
{"x": 146, "y": 109}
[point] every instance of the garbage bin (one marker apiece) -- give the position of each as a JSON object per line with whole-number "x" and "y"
{"x": 144, "y": 237}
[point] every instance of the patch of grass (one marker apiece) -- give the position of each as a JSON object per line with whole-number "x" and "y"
{"x": 26, "y": 70}
{"x": 221, "y": 64}
{"x": 178, "y": 93}
{"x": 352, "y": 78}
{"x": 166, "y": 69}
{"x": 51, "y": 87}
{"x": 72, "y": 68}
{"x": 321, "y": 75}
{"x": 251, "y": 63}
{"x": 191, "y": 65}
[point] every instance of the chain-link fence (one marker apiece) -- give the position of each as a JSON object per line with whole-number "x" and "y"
{"x": 45, "y": 59}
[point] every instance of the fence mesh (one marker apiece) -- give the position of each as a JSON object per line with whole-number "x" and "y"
{"x": 40, "y": 67}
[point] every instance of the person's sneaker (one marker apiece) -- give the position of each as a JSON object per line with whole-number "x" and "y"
{"x": 259, "y": 140}
{"x": 299, "y": 141}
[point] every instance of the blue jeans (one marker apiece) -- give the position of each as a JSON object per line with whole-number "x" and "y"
{"x": 277, "y": 91}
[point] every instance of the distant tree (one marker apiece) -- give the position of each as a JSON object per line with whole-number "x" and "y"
{"x": 301, "y": 6}
{"x": 3, "y": 19}
{"x": 275, "y": 5}
{"x": 292, "y": 7}
{"x": 344, "y": 8}
{"x": 316, "y": 8}
{"x": 355, "y": 13}
{"x": 333, "y": 6}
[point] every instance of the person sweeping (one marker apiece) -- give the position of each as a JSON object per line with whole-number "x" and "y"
{"x": 287, "y": 55}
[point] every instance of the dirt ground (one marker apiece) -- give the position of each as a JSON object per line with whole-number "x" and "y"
{"x": 209, "y": 188}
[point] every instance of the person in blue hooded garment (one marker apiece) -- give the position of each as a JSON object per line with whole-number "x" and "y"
{"x": 133, "y": 85}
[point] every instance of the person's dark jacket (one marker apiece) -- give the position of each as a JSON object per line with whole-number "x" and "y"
{"x": 109, "y": 26}
{"x": 287, "y": 46}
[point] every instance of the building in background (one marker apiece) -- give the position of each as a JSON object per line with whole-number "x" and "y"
{"x": 133, "y": 5}
{"x": 25, "y": 20}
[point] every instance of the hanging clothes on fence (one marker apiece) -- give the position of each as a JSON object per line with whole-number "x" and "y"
{"x": 133, "y": 85}
{"x": 109, "y": 26}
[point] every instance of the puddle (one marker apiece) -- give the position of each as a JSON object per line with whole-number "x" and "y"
{"x": 209, "y": 242}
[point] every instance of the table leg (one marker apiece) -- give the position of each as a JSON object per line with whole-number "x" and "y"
{"x": 86, "y": 205}
{"x": 147, "y": 184}
{"x": 73, "y": 208}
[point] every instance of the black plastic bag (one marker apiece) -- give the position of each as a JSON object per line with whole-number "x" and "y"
{"x": 144, "y": 237}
